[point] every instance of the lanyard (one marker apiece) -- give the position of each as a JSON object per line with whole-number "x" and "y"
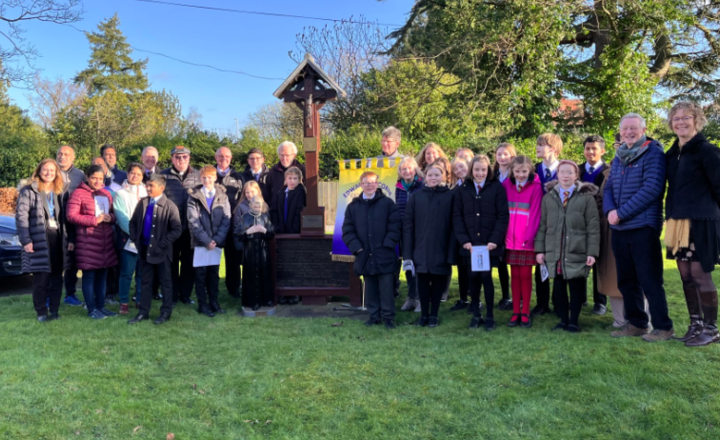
{"x": 51, "y": 203}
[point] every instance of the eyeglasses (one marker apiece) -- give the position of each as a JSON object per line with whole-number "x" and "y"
{"x": 181, "y": 157}
{"x": 683, "y": 119}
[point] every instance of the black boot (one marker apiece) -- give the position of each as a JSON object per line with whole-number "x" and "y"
{"x": 709, "y": 333}
{"x": 692, "y": 299}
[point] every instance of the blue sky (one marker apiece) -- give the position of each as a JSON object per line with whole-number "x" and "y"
{"x": 251, "y": 43}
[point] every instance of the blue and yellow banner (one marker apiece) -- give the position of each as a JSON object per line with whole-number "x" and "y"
{"x": 349, "y": 188}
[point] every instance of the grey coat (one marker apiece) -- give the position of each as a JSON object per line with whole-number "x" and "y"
{"x": 72, "y": 178}
{"x": 208, "y": 223}
{"x": 30, "y": 221}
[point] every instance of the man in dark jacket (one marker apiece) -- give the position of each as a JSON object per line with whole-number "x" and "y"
{"x": 632, "y": 202}
{"x": 257, "y": 170}
{"x": 287, "y": 152}
{"x": 109, "y": 155}
{"x": 180, "y": 177}
{"x": 72, "y": 177}
{"x": 593, "y": 171}
{"x": 371, "y": 231}
{"x": 233, "y": 182}
{"x": 154, "y": 226}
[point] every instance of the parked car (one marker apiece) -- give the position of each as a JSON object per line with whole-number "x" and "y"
{"x": 10, "y": 247}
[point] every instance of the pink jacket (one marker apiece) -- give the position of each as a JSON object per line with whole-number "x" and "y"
{"x": 524, "y": 215}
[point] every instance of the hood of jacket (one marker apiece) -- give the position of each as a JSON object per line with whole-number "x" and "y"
{"x": 359, "y": 199}
{"x": 580, "y": 187}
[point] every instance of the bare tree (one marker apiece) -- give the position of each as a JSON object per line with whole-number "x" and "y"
{"x": 278, "y": 121}
{"x": 50, "y": 97}
{"x": 17, "y": 54}
{"x": 345, "y": 51}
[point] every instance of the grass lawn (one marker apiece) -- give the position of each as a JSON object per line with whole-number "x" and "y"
{"x": 235, "y": 378}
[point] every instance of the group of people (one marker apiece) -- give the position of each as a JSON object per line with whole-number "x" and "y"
{"x": 562, "y": 218}
{"x": 145, "y": 223}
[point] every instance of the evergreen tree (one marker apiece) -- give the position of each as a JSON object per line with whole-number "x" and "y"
{"x": 110, "y": 67}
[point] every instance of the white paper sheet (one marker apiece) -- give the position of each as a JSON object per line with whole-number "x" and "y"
{"x": 130, "y": 247}
{"x": 102, "y": 205}
{"x": 544, "y": 272}
{"x": 204, "y": 257}
{"x": 480, "y": 258}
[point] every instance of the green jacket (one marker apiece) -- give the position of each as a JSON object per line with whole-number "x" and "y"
{"x": 578, "y": 223}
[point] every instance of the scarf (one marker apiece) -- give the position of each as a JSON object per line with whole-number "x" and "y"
{"x": 407, "y": 186}
{"x": 626, "y": 153}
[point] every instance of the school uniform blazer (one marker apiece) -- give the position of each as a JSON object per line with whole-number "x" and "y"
{"x": 166, "y": 228}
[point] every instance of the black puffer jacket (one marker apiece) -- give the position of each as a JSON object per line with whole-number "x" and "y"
{"x": 176, "y": 189}
{"x": 30, "y": 221}
{"x": 693, "y": 175}
{"x": 481, "y": 218}
{"x": 428, "y": 237}
{"x": 373, "y": 226}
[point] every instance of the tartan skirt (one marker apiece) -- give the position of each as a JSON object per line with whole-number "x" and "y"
{"x": 515, "y": 257}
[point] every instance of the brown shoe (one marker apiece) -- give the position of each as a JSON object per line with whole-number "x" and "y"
{"x": 123, "y": 309}
{"x": 659, "y": 335}
{"x": 629, "y": 330}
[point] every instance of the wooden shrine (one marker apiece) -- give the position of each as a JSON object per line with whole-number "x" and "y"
{"x": 302, "y": 263}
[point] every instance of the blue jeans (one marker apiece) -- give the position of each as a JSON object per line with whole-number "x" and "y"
{"x": 129, "y": 267}
{"x": 93, "y": 287}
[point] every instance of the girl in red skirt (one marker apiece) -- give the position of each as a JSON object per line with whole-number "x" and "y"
{"x": 524, "y": 196}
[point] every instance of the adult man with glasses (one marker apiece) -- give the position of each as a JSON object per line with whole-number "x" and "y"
{"x": 180, "y": 177}
{"x": 632, "y": 202}
{"x": 275, "y": 181}
{"x": 257, "y": 170}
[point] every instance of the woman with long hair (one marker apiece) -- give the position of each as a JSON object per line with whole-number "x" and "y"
{"x": 40, "y": 223}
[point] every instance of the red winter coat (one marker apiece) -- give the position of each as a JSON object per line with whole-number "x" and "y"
{"x": 94, "y": 245}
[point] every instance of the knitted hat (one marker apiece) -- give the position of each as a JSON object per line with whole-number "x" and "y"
{"x": 573, "y": 164}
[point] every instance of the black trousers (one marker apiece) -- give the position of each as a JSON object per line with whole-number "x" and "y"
{"x": 485, "y": 280}
{"x": 542, "y": 289}
{"x": 431, "y": 288}
{"x": 207, "y": 280}
{"x": 463, "y": 268}
{"x": 410, "y": 280}
{"x": 113, "y": 281}
{"x": 380, "y": 295}
{"x": 233, "y": 259}
{"x": 569, "y": 312}
{"x": 504, "y": 276}
{"x": 70, "y": 277}
{"x": 639, "y": 264}
{"x": 183, "y": 273}
{"x": 151, "y": 272}
{"x": 47, "y": 285}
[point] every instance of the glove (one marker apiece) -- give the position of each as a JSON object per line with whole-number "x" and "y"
{"x": 408, "y": 266}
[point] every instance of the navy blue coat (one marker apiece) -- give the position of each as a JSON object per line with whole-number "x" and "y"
{"x": 636, "y": 190}
{"x": 402, "y": 196}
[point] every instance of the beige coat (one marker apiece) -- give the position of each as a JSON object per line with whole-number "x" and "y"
{"x": 607, "y": 272}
